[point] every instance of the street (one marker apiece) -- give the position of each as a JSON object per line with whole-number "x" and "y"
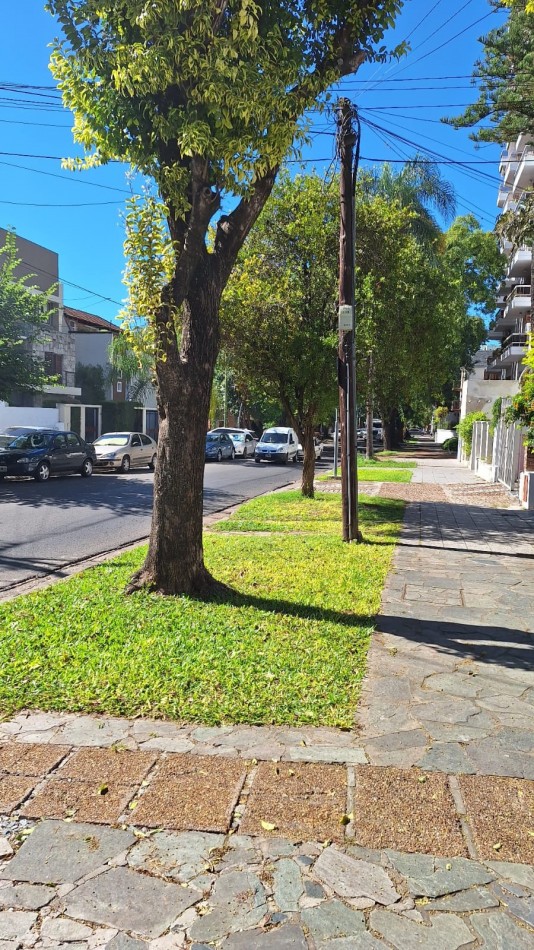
{"x": 44, "y": 527}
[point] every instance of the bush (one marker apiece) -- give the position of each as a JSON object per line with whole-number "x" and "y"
{"x": 440, "y": 416}
{"x": 465, "y": 428}
{"x": 450, "y": 445}
{"x": 496, "y": 414}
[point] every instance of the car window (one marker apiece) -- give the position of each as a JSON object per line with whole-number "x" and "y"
{"x": 136, "y": 440}
{"x": 73, "y": 440}
{"x": 145, "y": 440}
{"x": 59, "y": 442}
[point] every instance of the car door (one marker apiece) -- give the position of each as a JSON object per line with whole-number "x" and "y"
{"x": 136, "y": 450}
{"x": 58, "y": 454}
{"x": 146, "y": 449}
{"x": 75, "y": 452}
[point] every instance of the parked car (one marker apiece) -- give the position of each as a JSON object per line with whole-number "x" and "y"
{"x": 318, "y": 446}
{"x": 278, "y": 444}
{"x": 125, "y": 450}
{"x": 244, "y": 440}
{"x": 44, "y": 452}
{"x": 219, "y": 446}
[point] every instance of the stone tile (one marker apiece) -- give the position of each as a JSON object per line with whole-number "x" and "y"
{"x": 364, "y": 941}
{"x": 64, "y": 930}
{"x": 92, "y": 731}
{"x": 398, "y": 741}
{"x": 445, "y": 932}
{"x": 428, "y": 876}
{"x": 520, "y": 874}
{"x": 188, "y": 793}
{"x": 15, "y": 924}
{"x": 123, "y": 942}
{"x": 36, "y": 760}
{"x": 60, "y": 798}
{"x": 501, "y": 812}
{"x": 476, "y": 898}
{"x": 57, "y": 852}
{"x": 350, "y": 877}
{"x": 288, "y": 886}
{"x": 444, "y": 710}
{"x": 497, "y": 930}
{"x": 13, "y": 790}
{"x": 108, "y": 766}
{"x": 288, "y": 937}
{"x": 179, "y": 857}
{"x": 423, "y": 817}
{"x": 302, "y": 802}
{"x": 5, "y": 848}
{"x": 455, "y": 684}
{"x": 26, "y": 896}
{"x": 494, "y": 757}
{"x": 237, "y": 902}
{"x": 521, "y": 907}
{"x": 332, "y": 919}
{"x": 168, "y": 744}
{"x": 447, "y": 757}
{"x": 135, "y": 902}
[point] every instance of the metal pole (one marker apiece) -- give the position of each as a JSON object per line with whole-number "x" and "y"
{"x": 336, "y": 444}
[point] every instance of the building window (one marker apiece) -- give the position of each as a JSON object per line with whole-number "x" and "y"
{"x": 53, "y": 364}
{"x": 53, "y": 315}
{"x": 119, "y": 385}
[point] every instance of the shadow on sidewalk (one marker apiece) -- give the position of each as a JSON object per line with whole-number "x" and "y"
{"x": 489, "y": 644}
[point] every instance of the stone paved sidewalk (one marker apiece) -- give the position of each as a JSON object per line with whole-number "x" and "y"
{"x": 414, "y": 830}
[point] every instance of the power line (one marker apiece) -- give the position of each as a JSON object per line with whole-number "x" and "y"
{"x": 73, "y": 179}
{"x": 450, "y": 40}
{"x": 79, "y": 204}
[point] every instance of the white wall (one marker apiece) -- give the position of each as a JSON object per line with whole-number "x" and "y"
{"x": 26, "y": 416}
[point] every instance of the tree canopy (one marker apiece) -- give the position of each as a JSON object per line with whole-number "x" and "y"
{"x": 23, "y": 318}
{"x": 505, "y": 77}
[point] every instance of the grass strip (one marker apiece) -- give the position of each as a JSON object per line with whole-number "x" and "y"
{"x": 288, "y": 646}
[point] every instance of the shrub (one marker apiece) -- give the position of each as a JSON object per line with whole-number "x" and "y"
{"x": 450, "y": 445}
{"x": 440, "y": 416}
{"x": 465, "y": 428}
{"x": 496, "y": 414}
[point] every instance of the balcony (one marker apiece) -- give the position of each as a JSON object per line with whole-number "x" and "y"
{"x": 524, "y": 176}
{"x": 510, "y": 352}
{"x": 65, "y": 386}
{"x": 506, "y": 247}
{"x": 520, "y": 262}
{"x": 502, "y": 196}
{"x": 518, "y": 302}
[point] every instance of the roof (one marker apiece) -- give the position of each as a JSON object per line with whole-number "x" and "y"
{"x": 90, "y": 320}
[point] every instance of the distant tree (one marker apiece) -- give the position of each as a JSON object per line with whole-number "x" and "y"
{"x": 23, "y": 319}
{"x": 279, "y": 315}
{"x": 206, "y": 97}
{"x": 132, "y": 360}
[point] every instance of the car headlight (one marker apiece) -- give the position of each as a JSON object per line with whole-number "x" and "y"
{"x": 109, "y": 455}
{"x": 23, "y": 461}
{"x": 281, "y": 448}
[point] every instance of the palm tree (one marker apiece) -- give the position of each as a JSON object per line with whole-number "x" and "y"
{"x": 418, "y": 186}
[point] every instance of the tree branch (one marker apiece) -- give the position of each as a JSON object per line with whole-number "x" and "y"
{"x": 232, "y": 229}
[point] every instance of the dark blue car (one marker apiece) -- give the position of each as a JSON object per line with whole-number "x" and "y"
{"x": 219, "y": 446}
{"x": 44, "y": 452}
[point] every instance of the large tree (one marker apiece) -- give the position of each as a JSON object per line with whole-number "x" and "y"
{"x": 205, "y": 97}
{"x": 279, "y": 315}
{"x": 23, "y": 318}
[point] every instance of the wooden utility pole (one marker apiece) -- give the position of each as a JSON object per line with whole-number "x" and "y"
{"x": 346, "y": 142}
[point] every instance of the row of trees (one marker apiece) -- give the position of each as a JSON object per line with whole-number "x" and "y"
{"x": 422, "y": 296}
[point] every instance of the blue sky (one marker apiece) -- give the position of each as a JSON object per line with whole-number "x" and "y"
{"x": 78, "y": 214}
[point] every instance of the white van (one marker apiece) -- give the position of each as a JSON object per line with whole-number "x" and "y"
{"x": 279, "y": 444}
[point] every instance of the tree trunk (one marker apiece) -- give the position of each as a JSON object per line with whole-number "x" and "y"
{"x": 369, "y": 448}
{"x": 175, "y": 560}
{"x": 308, "y": 469}
{"x": 389, "y": 430}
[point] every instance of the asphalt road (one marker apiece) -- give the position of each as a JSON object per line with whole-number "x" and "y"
{"x": 44, "y": 527}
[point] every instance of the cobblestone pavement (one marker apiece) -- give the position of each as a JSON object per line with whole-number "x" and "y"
{"x": 414, "y": 830}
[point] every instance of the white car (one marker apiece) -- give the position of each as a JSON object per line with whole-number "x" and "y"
{"x": 125, "y": 450}
{"x": 244, "y": 440}
{"x": 318, "y": 446}
{"x": 278, "y": 444}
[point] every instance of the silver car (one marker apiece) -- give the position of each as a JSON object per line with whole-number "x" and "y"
{"x": 125, "y": 450}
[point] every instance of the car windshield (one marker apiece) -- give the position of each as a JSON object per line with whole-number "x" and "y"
{"x": 34, "y": 440}
{"x": 212, "y": 437}
{"x": 115, "y": 438}
{"x": 277, "y": 437}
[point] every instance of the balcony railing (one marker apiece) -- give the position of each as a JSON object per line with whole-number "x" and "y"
{"x": 519, "y": 340}
{"x": 520, "y": 290}
{"x": 65, "y": 378}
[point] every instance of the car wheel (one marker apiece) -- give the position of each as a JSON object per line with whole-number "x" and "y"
{"x": 232, "y": 455}
{"x": 295, "y": 459}
{"x": 245, "y": 453}
{"x": 219, "y": 456}
{"x": 125, "y": 464}
{"x": 86, "y": 469}
{"x": 42, "y": 472}
{"x": 152, "y": 463}
{"x": 257, "y": 460}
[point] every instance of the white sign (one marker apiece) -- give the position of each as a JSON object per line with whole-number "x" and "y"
{"x": 346, "y": 317}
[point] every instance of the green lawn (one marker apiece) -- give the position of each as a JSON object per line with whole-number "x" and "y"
{"x": 371, "y": 470}
{"x": 289, "y": 646}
